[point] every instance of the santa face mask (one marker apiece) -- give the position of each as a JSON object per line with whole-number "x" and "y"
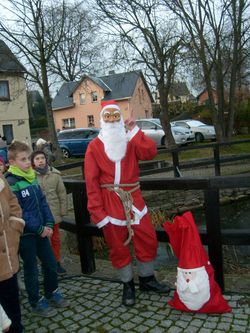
{"x": 113, "y": 135}
{"x": 110, "y": 116}
{"x": 193, "y": 287}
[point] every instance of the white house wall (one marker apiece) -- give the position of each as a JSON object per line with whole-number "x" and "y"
{"x": 15, "y": 111}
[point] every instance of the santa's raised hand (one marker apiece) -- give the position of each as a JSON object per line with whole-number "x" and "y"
{"x": 130, "y": 122}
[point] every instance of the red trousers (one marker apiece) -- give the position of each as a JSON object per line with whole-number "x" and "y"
{"x": 56, "y": 241}
{"x": 144, "y": 241}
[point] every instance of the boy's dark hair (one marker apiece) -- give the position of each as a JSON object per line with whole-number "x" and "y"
{"x": 17, "y": 147}
{"x": 35, "y": 153}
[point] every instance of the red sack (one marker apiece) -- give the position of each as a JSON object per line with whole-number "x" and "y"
{"x": 196, "y": 289}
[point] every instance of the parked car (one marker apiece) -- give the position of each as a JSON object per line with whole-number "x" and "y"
{"x": 152, "y": 127}
{"x": 74, "y": 142}
{"x": 202, "y": 131}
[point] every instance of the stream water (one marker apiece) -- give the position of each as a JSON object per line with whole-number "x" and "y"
{"x": 235, "y": 215}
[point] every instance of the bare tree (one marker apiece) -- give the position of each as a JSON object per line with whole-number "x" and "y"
{"x": 32, "y": 33}
{"x": 216, "y": 33}
{"x": 144, "y": 37}
{"x": 79, "y": 46}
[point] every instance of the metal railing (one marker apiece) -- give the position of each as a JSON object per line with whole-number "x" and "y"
{"x": 159, "y": 166}
{"x": 217, "y": 159}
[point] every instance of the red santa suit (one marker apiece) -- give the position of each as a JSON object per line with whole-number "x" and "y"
{"x": 105, "y": 205}
{"x": 196, "y": 289}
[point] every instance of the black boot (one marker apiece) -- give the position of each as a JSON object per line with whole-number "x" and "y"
{"x": 128, "y": 296}
{"x": 150, "y": 283}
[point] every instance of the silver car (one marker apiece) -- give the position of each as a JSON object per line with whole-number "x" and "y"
{"x": 202, "y": 131}
{"x": 152, "y": 128}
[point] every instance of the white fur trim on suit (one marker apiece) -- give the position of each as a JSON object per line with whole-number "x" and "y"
{"x": 117, "y": 172}
{"x": 122, "y": 223}
{"x": 131, "y": 134}
{"x": 103, "y": 222}
{"x": 111, "y": 106}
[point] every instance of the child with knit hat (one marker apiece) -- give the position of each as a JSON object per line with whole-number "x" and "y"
{"x": 52, "y": 185}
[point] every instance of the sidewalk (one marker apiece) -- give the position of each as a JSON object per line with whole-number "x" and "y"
{"x": 95, "y": 307}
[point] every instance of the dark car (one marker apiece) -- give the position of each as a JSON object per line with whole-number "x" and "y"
{"x": 74, "y": 142}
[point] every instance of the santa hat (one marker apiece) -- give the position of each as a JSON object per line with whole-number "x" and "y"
{"x": 110, "y": 104}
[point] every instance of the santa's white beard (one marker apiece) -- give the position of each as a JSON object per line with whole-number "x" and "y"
{"x": 195, "y": 293}
{"x": 114, "y": 138}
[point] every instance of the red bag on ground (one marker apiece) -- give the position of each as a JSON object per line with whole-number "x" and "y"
{"x": 196, "y": 289}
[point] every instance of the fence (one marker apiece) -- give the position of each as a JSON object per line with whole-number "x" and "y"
{"x": 158, "y": 166}
{"x": 213, "y": 236}
{"x": 216, "y": 160}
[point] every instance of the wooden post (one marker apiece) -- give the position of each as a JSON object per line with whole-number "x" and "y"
{"x": 82, "y": 168}
{"x": 212, "y": 213}
{"x": 85, "y": 244}
{"x": 216, "y": 149}
{"x": 176, "y": 165}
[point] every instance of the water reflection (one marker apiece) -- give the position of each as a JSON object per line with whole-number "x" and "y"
{"x": 235, "y": 215}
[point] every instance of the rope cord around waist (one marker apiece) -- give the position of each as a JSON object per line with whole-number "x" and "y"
{"x": 127, "y": 202}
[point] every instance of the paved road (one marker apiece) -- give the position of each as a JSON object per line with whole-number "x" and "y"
{"x": 95, "y": 307}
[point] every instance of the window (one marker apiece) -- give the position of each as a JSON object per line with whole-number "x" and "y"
{"x": 146, "y": 114}
{"x": 77, "y": 134}
{"x": 8, "y": 133}
{"x": 93, "y": 134}
{"x": 82, "y": 98}
{"x": 91, "y": 122}
{"x": 81, "y": 134}
{"x": 139, "y": 123}
{"x": 94, "y": 96}
{"x": 181, "y": 123}
{"x": 148, "y": 125}
{"x": 68, "y": 123}
{"x": 4, "y": 91}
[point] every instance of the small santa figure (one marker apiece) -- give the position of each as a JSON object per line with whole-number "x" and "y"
{"x": 196, "y": 289}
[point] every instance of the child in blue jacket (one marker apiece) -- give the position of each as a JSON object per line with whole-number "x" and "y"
{"x": 38, "y": 229}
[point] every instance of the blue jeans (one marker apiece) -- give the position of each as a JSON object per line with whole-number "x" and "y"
{"x": 31, "y": 247}
{"x": 9, "y": 299}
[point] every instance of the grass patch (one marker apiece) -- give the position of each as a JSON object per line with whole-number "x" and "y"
{"x": 233, "y": 149}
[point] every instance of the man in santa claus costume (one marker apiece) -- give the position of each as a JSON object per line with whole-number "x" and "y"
{"x": 115, "y": 201}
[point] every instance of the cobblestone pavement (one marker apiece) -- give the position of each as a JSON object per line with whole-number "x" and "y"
{"x": 95, "y": 303}
{"x": 95, "y": 307}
